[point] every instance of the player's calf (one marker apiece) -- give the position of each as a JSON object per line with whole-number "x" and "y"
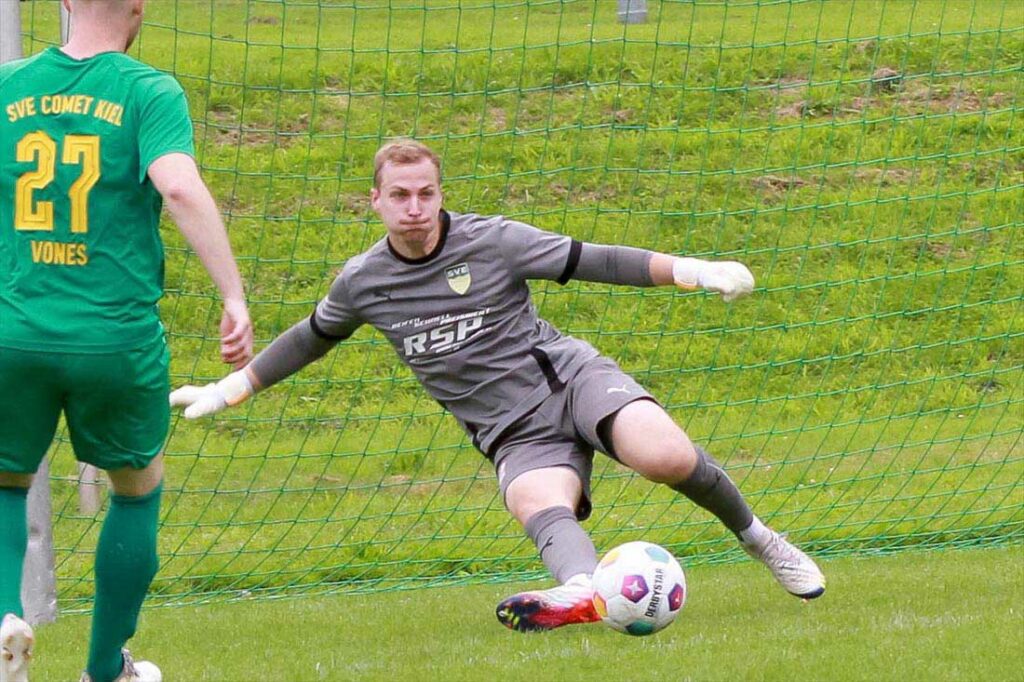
{"x": 16, "y": 640}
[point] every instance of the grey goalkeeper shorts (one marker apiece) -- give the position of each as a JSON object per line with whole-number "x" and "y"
{"x": 563, "y": 430}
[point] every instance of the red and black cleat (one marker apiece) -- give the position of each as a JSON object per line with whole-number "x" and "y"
{"x": 567, "y": 604}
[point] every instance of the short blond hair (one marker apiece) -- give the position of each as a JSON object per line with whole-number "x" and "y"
{"x": 403, "y": 151}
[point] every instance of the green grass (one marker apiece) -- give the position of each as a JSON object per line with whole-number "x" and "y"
{"x": 869, "y": 395}
{"x": 954, "y": 615}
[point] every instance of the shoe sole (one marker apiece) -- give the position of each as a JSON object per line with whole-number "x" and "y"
{"x": 527, "y": 613}
{"x": 516, "y": 613}
{"x": 814, "y": 594}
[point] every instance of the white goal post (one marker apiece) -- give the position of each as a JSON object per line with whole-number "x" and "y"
{"x": 632, "y": 11}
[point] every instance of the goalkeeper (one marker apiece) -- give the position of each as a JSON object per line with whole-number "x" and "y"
{"x": 449, "y": 291}
{"x": 91, "y": 144}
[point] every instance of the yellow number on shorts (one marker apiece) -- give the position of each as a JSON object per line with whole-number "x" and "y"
{"x": 81, "y": 150}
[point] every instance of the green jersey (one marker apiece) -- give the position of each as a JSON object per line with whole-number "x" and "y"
{"x": 81, "y": 260}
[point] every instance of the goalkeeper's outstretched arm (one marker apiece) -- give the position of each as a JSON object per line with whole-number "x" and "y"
{"x": 287, "y": 354}
{"x": 638, "y": 267}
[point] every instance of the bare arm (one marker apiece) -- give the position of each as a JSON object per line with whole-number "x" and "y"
{"x": 661, "y": 269}
{"x": 193, "y": 210}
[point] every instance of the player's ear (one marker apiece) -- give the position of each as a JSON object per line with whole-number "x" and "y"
{"x": 374, "y": 198}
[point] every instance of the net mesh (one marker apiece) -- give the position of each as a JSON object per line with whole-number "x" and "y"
{"x": 865, "y": 159}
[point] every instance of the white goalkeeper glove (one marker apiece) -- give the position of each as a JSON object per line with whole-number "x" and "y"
{"x": 200, "y": 401}
{"x": 727, "y": 277}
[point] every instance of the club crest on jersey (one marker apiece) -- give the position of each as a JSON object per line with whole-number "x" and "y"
{"x": 458, "y": 278}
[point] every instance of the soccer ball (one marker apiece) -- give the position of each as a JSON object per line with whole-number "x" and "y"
{"x": 639, "y": 588}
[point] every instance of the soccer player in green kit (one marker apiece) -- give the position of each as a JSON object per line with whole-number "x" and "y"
{"x": 92, "y": 143}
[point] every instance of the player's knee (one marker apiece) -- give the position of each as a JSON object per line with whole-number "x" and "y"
{"x": 130, "y": 482}
{"x": 539, "y": 489}
{"x": 669, "y": 461}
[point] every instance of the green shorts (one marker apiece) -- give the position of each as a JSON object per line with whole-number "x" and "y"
{"x": 115, "y": 405}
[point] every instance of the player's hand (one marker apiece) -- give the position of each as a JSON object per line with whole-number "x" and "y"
{"x": 235, "y": 334}
{"x": 728, "y": 278}
{"x": 200, "y": 401}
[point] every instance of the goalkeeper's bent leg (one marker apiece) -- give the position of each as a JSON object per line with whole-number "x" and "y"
{"x": 13, "y": 544}
{"x": 565, "y": 548}
{"x": 567, "y": 551}
{"x": 711, "y": 488}
{"x": 126, "y": 562}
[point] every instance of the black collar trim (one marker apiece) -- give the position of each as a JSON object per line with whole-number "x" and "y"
{"x": 445, "y": 224}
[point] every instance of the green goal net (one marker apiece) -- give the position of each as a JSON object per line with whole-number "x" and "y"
{"x": 865, "y": 159}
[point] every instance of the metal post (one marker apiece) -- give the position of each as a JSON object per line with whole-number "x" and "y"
{"x": 10, "y": 31}
{"x": 632, "y": 11}
{"x": 39, "y": 580}
{"x": 65, "y": 24}
{"x": 90, "y": 487}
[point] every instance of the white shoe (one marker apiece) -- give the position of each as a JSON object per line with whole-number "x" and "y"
{"x": 133, "y": 671}
{"x": 793, "y": 569}
{"x": 16, "y": 640}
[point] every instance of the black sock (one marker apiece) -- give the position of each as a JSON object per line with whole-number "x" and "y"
{"x": 565, "y": 548}
{"x": 711, "y": 488}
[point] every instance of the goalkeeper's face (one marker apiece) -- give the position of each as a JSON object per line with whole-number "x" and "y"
{"x": 408, "y": 201}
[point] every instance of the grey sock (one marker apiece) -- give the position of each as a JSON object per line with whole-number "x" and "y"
{"x": 711, "y": 488}
{"x": 565, "y": 548}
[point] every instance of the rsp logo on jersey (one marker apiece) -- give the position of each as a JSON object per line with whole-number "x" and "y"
{"x": 445, "y": 337}
{"x": 458, "y": 278}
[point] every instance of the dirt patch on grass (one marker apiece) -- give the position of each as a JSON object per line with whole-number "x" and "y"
{"x": 498, "y": 118}
{"x": 223, "y": 127}
{"x": 922, "y": 98}
{"x": 794, "y": 109}
{"x": 886, "y": 78}
{"x": 777, "y": 184}
{"x": 943, "y": 250}
{"x": 784, "y": 90}
{"x": 885, "y": 176}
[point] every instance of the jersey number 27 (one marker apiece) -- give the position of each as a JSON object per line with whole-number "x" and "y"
{"x": 82, "y": 150}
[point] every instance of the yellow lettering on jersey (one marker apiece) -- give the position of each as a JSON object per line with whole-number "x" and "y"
{"x": 21, "y": 109}
{"x": 53, "y": 105}
{"x": 59, "y": 253}
{"x": 109, "y": 112}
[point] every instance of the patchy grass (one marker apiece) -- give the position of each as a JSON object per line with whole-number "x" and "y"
{"x": 915, "y": 616}
{"x": 864, "y": 159}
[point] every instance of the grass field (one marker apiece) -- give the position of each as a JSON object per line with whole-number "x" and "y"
{"x": 869, "y": 396}
{"x": 952, "y": 615}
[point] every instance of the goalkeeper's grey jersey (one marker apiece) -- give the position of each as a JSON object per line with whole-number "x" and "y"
{"x": 461, "y": 318}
